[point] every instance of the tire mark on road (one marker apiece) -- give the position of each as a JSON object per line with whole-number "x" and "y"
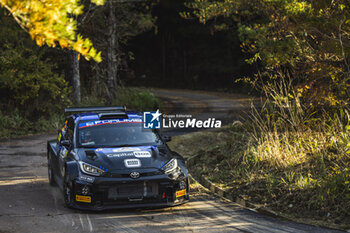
{"x": 81, "y": 222}
{"x": 89, "y": 221}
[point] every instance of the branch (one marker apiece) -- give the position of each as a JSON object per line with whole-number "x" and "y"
{"x": 342, "y": 46}
{"x": 14, "y": 16}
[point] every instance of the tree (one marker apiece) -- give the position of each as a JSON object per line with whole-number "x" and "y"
{"x": 112, "y": 64}
{"x": 28, "y": 81}
{"x": 74, "y": 56}
{"x": 49, "y": 22}
{"x": 309, "y": 40}
{"x": 110, "y": 27}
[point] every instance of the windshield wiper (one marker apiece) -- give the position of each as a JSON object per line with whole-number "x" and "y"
{"x": 89, "y": 146}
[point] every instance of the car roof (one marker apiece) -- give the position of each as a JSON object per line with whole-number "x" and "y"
{"x": 98, "y": 116}
{"x": 101, "y": 113}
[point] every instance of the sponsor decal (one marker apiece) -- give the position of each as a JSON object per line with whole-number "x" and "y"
{"x": 63, "y": 152}
{"x": 81, "y": 198}
{"x": 128, "y": 152}
{"x": 151, "y": 120}
{"x": 130, "y": 163}
{"x": 137, "y": 154}
{"x": 122, "y": 154}
{"x": 142, "y": 154}
{"x": 181, "y": 193}
{"x": 109, "y": 122}
{"x": 87, "y": 178}
{"x": 123, "y": 149}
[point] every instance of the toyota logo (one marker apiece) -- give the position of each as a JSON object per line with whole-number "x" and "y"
{"x": 134, "y": 175}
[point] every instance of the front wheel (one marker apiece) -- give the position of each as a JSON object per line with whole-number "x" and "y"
{"x": 67, "y": 191}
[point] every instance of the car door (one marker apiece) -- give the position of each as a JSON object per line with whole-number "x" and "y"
{"x": 55, "y": 157}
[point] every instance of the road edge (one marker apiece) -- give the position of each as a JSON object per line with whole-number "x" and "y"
{"x": 207, "y": 184}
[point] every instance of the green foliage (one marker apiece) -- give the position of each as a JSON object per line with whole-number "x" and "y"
{"x": 27, "y": 80}
{"x": 13, "y": 123}
{"x": 51, "y": 22}
{"x": 306, "y": 39}
{"x": 131, "y": 19}
{"x": 137, "y": 99}
{"x": 295, "y": 156}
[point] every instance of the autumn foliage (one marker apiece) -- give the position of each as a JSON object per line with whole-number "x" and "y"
{"x": 53, "y": 23}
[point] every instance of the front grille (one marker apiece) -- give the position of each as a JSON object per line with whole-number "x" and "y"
{"x": 142, "y": 174}
{"x": 133, "y": 191}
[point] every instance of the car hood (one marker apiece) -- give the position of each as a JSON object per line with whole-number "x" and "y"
{"x": 126, "y": 158}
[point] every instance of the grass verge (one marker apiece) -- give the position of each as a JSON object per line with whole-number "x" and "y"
{"x": 310, "y": 186}
{"x": 289, "y": 157}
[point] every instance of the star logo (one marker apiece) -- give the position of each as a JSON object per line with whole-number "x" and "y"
{"x": 151, "y": 120}
{"x": 156, "y": 115}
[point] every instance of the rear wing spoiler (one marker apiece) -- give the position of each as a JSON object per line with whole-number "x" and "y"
{"x": 96, "y": 109}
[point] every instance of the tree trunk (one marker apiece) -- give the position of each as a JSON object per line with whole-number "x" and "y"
{"x": 76, "y": 77}
{"x": 111, "y": 54}
{"x": 163, "y": 57}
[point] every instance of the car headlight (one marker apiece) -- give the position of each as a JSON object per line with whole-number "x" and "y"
{"x": 91, "y": 170}
{"x": 170, "y": 166}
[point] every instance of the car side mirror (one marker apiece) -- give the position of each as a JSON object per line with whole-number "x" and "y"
{"x": 66, "y": 143}
{"x": 167, "y": 138}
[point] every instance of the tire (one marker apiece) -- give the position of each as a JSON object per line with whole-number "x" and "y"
{"x": 67, "y": 191}
{"x": 50, "y": 174}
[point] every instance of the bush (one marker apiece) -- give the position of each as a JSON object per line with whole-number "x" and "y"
{"x": 137, "y": 99}
{"x": 27, "y": 80}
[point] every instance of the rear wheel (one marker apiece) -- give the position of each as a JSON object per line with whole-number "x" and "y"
{"x": 50, "y": 171}
{"x": 67, "y": 190}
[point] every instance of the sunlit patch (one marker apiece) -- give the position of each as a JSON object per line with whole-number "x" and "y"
{"x": 22, "y": 180}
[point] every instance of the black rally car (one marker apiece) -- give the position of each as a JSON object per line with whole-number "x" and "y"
{"x": 103, "y": 158}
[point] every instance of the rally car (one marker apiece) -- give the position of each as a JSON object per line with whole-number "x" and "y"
{"x": 104, "y": 158}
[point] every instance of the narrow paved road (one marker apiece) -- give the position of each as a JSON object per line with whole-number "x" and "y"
{"x": 29, "y": 204}
{"x": 204, "y": 105}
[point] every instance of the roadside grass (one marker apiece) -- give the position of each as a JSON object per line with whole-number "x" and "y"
{"x": 284, "y": 157}
{"x": 138, "y": 99}
{"x": 13, "y": 124}
{"x": 303, "y": 176}
{"x": 134, "y": 98}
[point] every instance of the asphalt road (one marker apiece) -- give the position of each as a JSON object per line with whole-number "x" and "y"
{"x": 29, "y": 204}
{"x": 204, "y": 105}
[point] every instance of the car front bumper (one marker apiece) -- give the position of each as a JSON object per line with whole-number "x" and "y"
{"x": 100, "y": 193}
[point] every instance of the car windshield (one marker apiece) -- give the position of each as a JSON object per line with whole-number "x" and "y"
{"x": 115, "y": 133}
